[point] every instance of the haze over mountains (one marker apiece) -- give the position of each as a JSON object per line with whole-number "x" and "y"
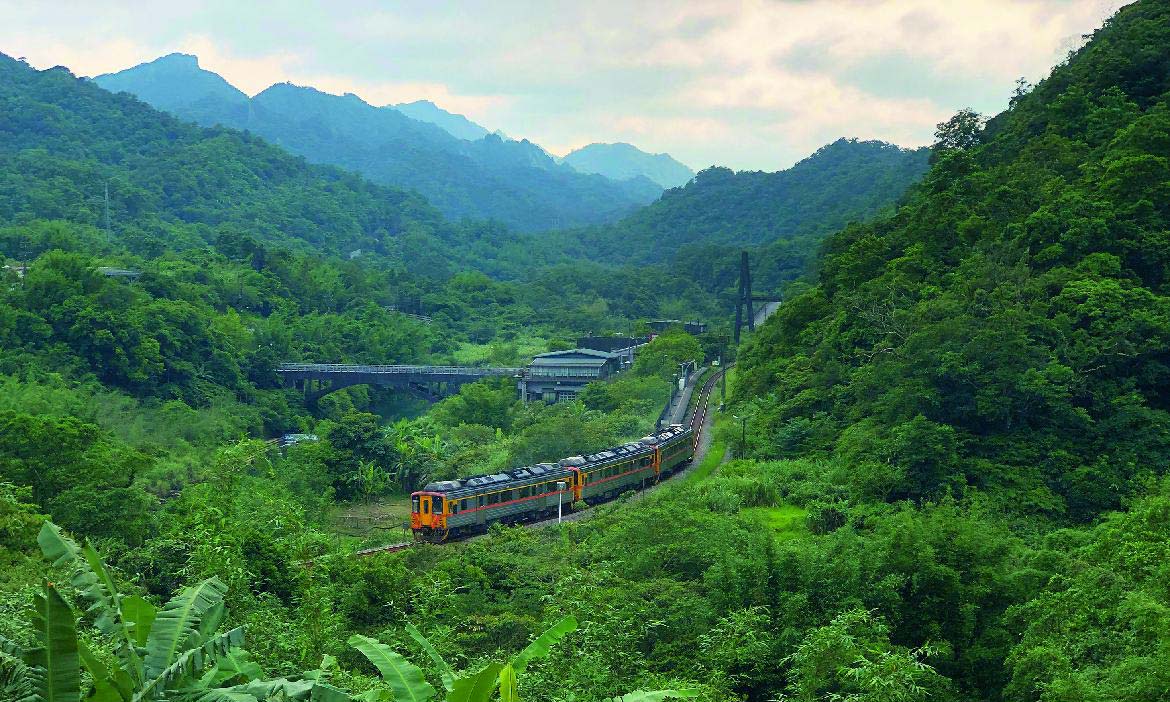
{"x": 417, "y": 146}
{"x": 623, "y": 161}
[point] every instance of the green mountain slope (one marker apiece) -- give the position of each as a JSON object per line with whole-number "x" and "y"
{"x": 702, "y": 226}
{"x": 999, "y": 348}
{"x": 1014, "y": 309}
{"x": 514, "y": 182}
{"x": 173, "y": 185}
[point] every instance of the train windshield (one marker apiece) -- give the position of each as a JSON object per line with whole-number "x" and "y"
{"x": 414, "y": 503}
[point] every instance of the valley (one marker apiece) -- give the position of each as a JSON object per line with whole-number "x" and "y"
{"x": 260, "y": 350}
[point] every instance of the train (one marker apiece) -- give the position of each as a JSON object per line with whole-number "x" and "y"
{"x": 452, "y": 509}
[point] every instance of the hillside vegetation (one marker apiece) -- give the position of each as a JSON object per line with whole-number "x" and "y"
{"x": 781, "y": 216}
{"x": 998, "y": 347}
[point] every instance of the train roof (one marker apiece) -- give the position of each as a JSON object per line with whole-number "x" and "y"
{"x": 544, "y": 471}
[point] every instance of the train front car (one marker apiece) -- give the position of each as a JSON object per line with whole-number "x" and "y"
{"x": 428, "y": 513}
{"x": 471, "y": 505}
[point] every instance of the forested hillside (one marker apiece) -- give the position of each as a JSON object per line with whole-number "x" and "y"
{"x": 784, "y": 215}
{"x": 997, "y": 350}
{"x": 514, "y": 182}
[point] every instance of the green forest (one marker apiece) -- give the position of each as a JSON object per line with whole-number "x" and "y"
{"x": 940, "y": 473}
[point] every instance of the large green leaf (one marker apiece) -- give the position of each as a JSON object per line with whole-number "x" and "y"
{"x": 235, "y": 666}
{"x": 509, "y": 684}
{"x": 476, "y": 687}
{"x": 445, "y": 671}
{"x": 10, "y": 647}
{"x": 140, "y": 615}
{"x": 655, "y": 695}
{"x": 404, "y": 678}
{"x": 55, "y": 664}
{"x": 279, "y": 689}
{"x": 190, "y": 662}
{"x": 210, "y": 621}
{"x": 93, "y": 580}
{"x": 176, "y": 623}
{"x": 541, "y": 646}
{"x": 324, "y": 692}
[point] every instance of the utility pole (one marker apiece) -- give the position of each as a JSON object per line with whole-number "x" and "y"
{"x": 723, "y": 369}
{"x": 560, "y": 496}
{"x": 742, "y": 435}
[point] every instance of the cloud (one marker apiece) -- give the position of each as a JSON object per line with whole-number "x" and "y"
{"x": 253, "y": 74}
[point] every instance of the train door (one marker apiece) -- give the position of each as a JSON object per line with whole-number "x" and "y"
{"x": 426, "y": 511}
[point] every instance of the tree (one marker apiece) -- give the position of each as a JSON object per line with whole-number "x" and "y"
{"x": 960, "y": 132}
{"x": 850, "y": 659}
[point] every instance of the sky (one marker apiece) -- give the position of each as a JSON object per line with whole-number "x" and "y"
{"x": 754, "y": 85}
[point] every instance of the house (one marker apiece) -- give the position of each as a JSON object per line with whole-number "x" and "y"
{"x": 559, "y": 376}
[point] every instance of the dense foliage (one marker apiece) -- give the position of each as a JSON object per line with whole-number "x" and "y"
{"x": 1002, "y": 341}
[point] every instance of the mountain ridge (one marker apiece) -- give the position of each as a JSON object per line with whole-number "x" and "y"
{"x": 515, "y": 182}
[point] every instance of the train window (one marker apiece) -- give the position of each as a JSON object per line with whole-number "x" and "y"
{"x": 454, "y": 507}
{"x": 646, "y": 461}
{"x": 426, "y": 506}
{"x": 493, "y": 498}
{"x": 463, "y": 504}
{"x": 437, "y": 505}
{"x": 481, "y": 500}
{"x": 414, "y": 504}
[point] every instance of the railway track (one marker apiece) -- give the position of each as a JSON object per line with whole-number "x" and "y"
{"x": 698, "y": 421}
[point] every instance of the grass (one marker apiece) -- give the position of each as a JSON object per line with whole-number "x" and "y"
{"x": 380, "y": 519}
{"x": 786, "y": 520}
{"x": 714, "y": 457}
{"x": 518, "y": 351}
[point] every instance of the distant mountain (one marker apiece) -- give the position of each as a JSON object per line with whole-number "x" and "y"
{"x": 173, "y": 185}
{"x": 514, "y": 182}
{"x": 701, "y": 227}
{"x": 622, "y": 161}
{"x": 457, "y": 126}
{"x": 202, "y": 96}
